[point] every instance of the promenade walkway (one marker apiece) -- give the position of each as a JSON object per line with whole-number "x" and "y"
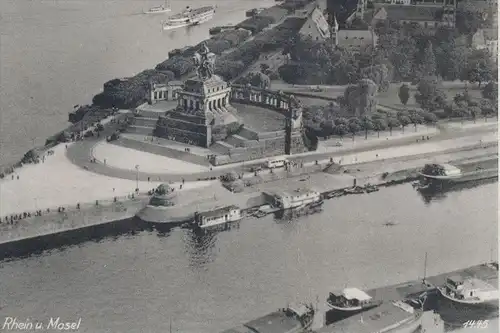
{"x": 79, "y": 154}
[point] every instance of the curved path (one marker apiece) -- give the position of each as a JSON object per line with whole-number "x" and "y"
{"x": 80, "y": 154}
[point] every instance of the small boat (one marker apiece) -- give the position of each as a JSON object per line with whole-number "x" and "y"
{"x": 159, "y": 9}
{"x": 371, "y": 188}
{"x": 469, "y": 292}
{"x": 351, "y": 301}
{"x": 354, "y": 190}
{"x": 258, "y": 214}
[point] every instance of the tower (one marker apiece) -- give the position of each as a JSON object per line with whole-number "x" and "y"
{"x": 360, "y": 9}
{"x": 449, "y": 12}
{"x": 293, "y": 128}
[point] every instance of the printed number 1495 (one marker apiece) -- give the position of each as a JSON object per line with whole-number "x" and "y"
{"x": 476, "y": 324}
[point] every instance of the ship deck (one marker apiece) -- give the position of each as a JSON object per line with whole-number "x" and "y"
{"x": 374, "y": 320}
{"x": 195, "y": 11}
{"x": 276, "y": 322}
{"x": 413, "y": 288}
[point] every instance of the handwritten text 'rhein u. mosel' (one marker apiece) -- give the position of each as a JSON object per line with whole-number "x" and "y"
{"x": 55, "y": 324}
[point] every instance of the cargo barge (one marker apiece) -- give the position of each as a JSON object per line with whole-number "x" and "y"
{"x": 415, "y": 292}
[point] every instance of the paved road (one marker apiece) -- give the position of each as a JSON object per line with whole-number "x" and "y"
{"x": 80, "y": 154}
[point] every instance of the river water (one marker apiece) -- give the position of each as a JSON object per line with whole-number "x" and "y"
{"x": 55, "y": 54}
{"x": 137, "y": 283}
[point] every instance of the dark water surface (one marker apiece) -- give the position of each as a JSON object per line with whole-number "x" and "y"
{"x": 207, "y": 283}
{"x": 58, "y": 53}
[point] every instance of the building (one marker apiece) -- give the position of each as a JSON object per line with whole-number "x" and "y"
{"x": 356, "y": 40}
{"x": 428, "y": 17}
{"x": 312, "y": 22}
{"x": 486, "y": 39}
{"x": 206, "y": 116}
{"x": 164, "y": 91}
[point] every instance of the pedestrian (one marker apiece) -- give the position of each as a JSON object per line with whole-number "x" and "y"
{"x": 149, "y": 178}
{"x": 113, "y": 189}
{"x": 180, "y": 187}
{"x": 17, "y": 177}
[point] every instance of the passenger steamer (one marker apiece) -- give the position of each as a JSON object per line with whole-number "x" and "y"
{"x": 189, "y": 17}
{"x": 159, "y": 9}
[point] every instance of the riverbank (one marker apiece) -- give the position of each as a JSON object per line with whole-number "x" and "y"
{"x": 214, "y": 194}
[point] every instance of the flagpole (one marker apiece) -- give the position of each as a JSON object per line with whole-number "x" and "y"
{"x": 425, "y": 267}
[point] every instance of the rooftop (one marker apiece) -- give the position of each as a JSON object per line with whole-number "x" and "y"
{"x": 354, "y": 293}
{"x": 371, "y": 321}
{"x": 219, "y": 211}
{"x": 410, "y": 13}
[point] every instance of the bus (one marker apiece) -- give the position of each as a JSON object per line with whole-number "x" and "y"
{"x": 276, "y": 163}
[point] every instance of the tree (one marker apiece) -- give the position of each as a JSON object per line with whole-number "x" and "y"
{"x": 490, "y": 91}
{"x": 429, "y": 95}
{"x": 362, "y": 98}
{"x": 341, "y": 130}
{"x": 404, "y": 119}
{"x": 404, "y": 94}
{"x": 474, "y": 111}
{"x": 354, "y": 127}
{"x": 480, "y": 67}
{"x": 366, "y": 124}
{"x": 429, "y": 118}
{"x": 427, "y": 66}
{"x": 461, "y": 112}
{"x": 256, "y": 79}
{"x": 392, "y": 122}
{"x": 378, "y": 74}
{"x": 451, "y": 59}
{"x": 379, "y": 124}
{"x": 416, "y": 118}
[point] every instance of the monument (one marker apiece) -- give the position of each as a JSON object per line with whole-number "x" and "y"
{"x": 202, "y": 105}
{"x": 204, "y": 116}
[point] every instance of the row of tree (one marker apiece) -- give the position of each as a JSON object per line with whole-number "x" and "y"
{"x": 327, "y": 122}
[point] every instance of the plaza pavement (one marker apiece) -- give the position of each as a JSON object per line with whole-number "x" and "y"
{"x": 58, "y": 182}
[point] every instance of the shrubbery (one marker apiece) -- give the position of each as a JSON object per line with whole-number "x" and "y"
{"x": 256, "y": 24}
{"x": 179, "y": 65}
{"x": 130, "y": 92}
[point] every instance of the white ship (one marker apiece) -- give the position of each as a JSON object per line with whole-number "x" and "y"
{"x": 159, "y": 9}
{"x": 189, "y": 17}
{"x": 469, "y": 292}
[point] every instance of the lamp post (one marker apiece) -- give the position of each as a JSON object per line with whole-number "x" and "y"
{"x": 137, "y": 178}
